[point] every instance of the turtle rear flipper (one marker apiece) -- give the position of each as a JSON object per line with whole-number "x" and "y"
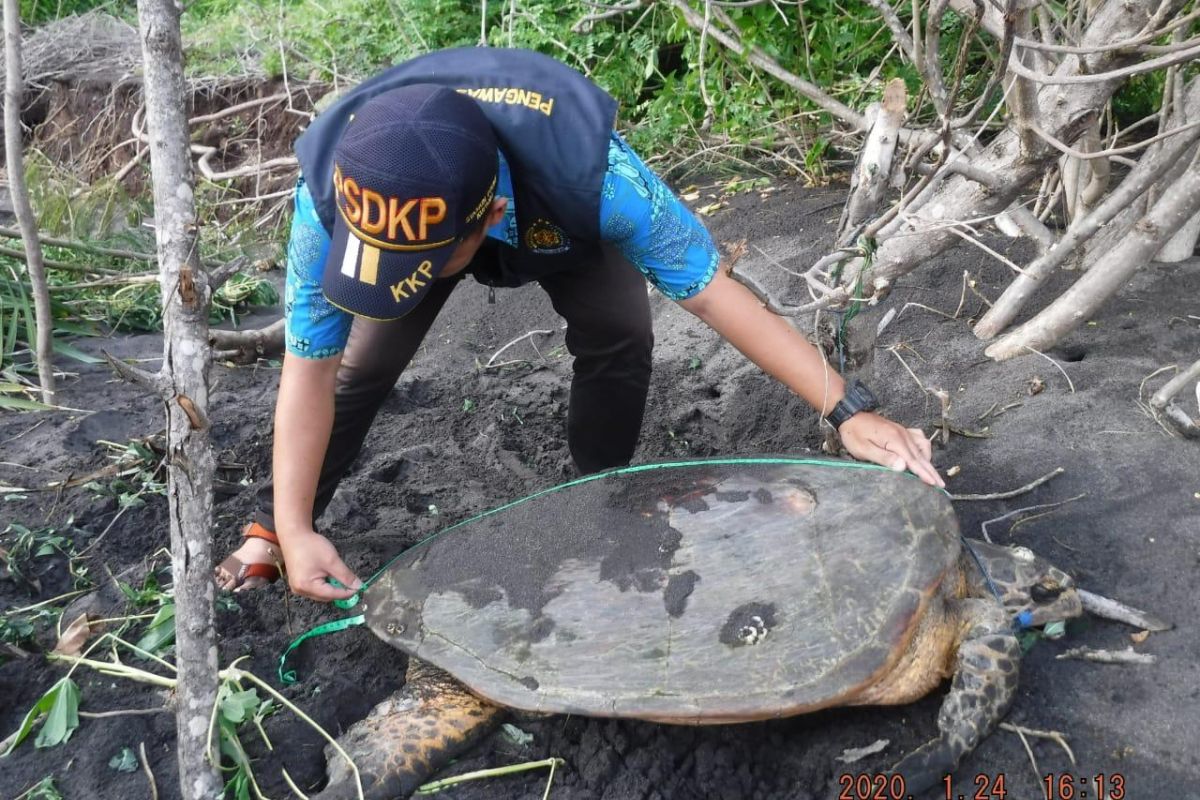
{"x": 985, "y": 682}
{"x": 409, "y": 736}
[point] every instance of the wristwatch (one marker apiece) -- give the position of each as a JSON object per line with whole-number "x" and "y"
{"x": 858, "y": 398}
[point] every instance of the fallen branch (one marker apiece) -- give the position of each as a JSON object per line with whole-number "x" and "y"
{"x": 1077, "y": 304}
{"x": 1054, "y": 736}
{"x": 984, "y": 525}
{"x": 1141, "y": 178}
{"x": 1117, "y": 611}
{"x": 1126, "y": 656}
{"x": 1161, "y": 401}
{"x": 1013, "y": 493}
{"x": 246, "y": 347}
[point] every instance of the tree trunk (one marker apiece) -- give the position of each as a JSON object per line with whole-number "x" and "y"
{"x": 1179, "y": 203}
{"x": 184, "y": 385}
{"x": 14, "y": 94}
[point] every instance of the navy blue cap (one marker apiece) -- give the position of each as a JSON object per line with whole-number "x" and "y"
{"x": 414, "y": 171}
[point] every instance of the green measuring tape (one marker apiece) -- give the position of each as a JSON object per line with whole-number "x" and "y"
{"x": 288, "y": 676}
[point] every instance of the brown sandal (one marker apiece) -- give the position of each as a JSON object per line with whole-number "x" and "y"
{"x": 233, "y": 568}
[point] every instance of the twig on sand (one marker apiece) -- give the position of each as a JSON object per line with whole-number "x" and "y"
{"x": 1055, "y": 736}
{"x": 491, "y": 362}
{"x": 1126, "y": 656}
{"x": 1055, "y": 363}
{"x": 122, "y": 712}
{"x": 1013, "y": 493}
{"x": 993, "y": 412}
{"x": 1029, "y": 752}
{"x": 1111, "y": 609}
{"x": 984, "y": 525}
{"x": 146, "y": 768}
{"x": 852, "y": 754}
{"x": 436, "y": 786}
{"x": 292, "y": 785}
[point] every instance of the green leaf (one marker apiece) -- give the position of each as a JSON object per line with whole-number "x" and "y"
{"x": 161, "y": 632}
{"x": 124, "y": 761}
{"x": 9, "y": 403}
{"x": 71, "y": 351}
{"x": 43, "y": 706}
{"x": 63, "y": 717}
{"x": 237, "y": 707}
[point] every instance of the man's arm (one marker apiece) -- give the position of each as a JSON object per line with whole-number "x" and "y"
{"x": 774, "y": 345}
{"x": 303, "y": 421}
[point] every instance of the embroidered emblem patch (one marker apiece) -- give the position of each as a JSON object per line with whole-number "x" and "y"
{"x": 546, "y": 237}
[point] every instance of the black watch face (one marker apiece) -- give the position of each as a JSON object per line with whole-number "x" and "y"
{"x": 861, "y": 397}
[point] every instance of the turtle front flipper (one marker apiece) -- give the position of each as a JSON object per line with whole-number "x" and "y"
{"x": 409, "y": 736}
{"x": 985, "y": 681}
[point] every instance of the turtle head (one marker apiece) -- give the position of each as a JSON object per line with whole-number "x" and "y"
{"x": 1024, "y": 581}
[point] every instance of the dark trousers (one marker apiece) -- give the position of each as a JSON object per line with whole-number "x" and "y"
{"x": 607, "y": 311}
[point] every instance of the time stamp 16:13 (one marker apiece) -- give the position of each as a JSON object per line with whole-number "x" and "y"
{"x": 1054, "y": 786}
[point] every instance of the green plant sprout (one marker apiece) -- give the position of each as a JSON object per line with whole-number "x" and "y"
{"x": 42, "y": 790}
{"x": 21, "y": 547}
{"x": 239, "y": 704}
{"x": 140, "y": 471}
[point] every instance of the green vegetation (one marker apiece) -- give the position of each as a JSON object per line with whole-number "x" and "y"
{"x": 42, "y": 790}
{"x": 22, "y": 550}
{"x": 108, "y": 281}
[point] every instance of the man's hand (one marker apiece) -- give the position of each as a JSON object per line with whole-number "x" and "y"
{"x": 870, "y": 437}
{"x": 310, "y": 559}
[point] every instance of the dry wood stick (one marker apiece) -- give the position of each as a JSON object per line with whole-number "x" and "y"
{"x": 1148, "y": 171}
{"x": 491, "y": 362}
{"x": 1126, "y": 656}
{"x": 984, "y": 525}
{"x": 1115, "y": 610}
{"x": 146, "y": 768}
{"x": 1013, "y": 493}
{"x": 1054, "y": 736}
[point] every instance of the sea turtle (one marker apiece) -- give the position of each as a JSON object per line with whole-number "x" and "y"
{"x": 703, "y": 592}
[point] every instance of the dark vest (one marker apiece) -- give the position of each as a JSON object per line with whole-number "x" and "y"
{"x": 553, "y": 126}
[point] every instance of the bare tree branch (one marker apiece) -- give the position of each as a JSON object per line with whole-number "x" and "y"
{"x": 1179, "y": 203}
{"x": 1148, "y": 171}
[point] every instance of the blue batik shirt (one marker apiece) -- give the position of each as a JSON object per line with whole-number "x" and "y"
{"x": 638, "y": 214}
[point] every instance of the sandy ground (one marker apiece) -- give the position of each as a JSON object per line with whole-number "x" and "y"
{"x": 454, "y": 440}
